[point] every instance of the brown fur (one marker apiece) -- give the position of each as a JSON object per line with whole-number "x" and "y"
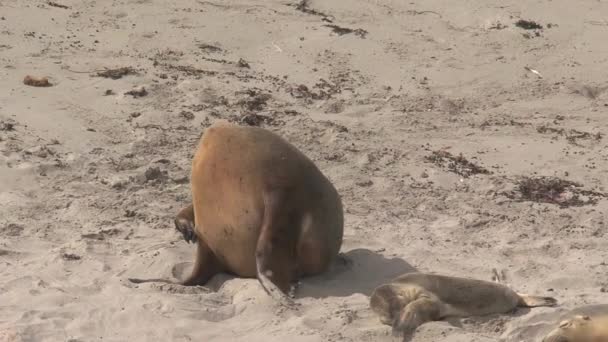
{"x": 415, "y": 298}
{"x": 580, "y": 328}
{"x": 260, "y": 208}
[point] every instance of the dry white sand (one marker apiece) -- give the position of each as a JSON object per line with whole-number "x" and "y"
{"x": 91, "y": 178}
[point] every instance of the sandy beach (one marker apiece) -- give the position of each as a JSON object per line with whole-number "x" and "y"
{"x": 461, "y": 136}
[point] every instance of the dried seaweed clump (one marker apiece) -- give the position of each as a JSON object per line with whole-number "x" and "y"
{"x": 528, "y": 24}
{"x": 572, "y": 136}
{"x": 456, "y": 164}
{"x": 555, "y": 191}
{"x": 117, "y": 73}
{"x": 256, "y": 101}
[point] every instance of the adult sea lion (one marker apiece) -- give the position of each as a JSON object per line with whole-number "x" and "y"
{"x": 580, "y": 328}
{"x": 260, "y": 208}
{"x": 412, "y": 299}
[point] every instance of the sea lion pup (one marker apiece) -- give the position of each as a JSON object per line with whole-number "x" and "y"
{"x": 260, "y": 208}
{"x": 412, "y": 299}
{"x": 580, "y": 328}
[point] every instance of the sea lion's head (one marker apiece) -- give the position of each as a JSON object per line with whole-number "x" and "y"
{"x": 570, "y": 330}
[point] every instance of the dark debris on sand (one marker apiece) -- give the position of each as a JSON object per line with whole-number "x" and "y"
{"x": 243, "y": 64}
{"x": 303, "y": 6}
{"x": 70, "y": 256}
{"x": 456, "y": 164}
{"x": 7, "y": 126}
{"x": 553, "y": 190}
{"x": 252, "y": 119}
{"x": 255, "y": 101}
{"x": 187, "y": 69}
{"x": 141, "y": 92}
{"x": 528, "y": 25}
{"x": 324, "y": 91}
{"x": 345, "y": 30}
{"x": 54, "y": 4}
{"x": 117, "y": 73}
{"x": 209, "y": 48}
{"x": 571, "y": 135}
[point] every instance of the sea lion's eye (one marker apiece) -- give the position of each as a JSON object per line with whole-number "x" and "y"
{"x": 586, "y": 318}
{"x": 564, "y": 324}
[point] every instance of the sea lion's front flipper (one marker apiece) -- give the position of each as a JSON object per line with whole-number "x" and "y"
{"x": 417, "y": 312}
{"x": 184, "y": 223}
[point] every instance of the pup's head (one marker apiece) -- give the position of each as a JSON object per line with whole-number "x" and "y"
{"x": 386, "y": 303}
{"x": 570, "y": 330}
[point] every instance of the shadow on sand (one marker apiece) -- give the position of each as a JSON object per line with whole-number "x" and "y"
{"x": 356, "y": 271}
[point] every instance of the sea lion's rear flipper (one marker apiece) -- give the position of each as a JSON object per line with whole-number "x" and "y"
{"x": 500, "y": 277}
{"x": 275, "y": 256}
{"x": 533, "y": 301}
{"x": 417, "y": 312}
{"x": 206, "y": 266}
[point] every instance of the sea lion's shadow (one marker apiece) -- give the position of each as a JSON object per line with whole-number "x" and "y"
{"x": 477, "y": 320}
{"x": 356, "y": 271}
